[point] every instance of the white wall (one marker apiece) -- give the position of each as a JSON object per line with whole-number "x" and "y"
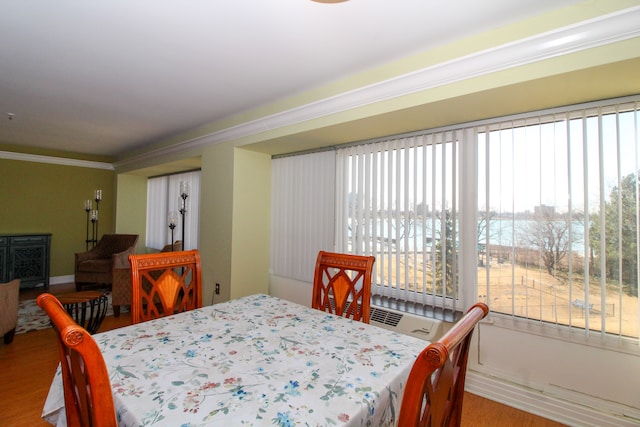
{"x": 574, "y": 384}
{"x": 291, "y": 290}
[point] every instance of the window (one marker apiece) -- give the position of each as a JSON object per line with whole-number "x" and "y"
{"x": 536, "y": 214}
{"x": 398, "y": 200}
{"x": 558, "y": 218}
{"x": 302, "y": 211}
{"x": 163, "y": 197}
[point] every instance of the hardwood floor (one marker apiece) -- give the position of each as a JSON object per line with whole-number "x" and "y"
{"x": 26, "y": 369}
{"x": 480, "y": 412}
{"x": 28, "y": 364}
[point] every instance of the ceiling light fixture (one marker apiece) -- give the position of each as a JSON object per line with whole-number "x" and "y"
{"x": 329, "y": 1}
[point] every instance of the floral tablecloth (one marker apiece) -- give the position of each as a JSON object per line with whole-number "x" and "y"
{"x": 253, "y": 361}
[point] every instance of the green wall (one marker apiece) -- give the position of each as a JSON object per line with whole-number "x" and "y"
{"x": 131, "y": 202}
{"x": 235, "y": 207}
{"x": 47, "y": 198}
{"x": 251, "y": 223}
{"x": 216, "y": 221}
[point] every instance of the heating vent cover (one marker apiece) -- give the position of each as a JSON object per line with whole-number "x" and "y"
{"x": 389, "y": 318}
{"x": 405, "y": 323}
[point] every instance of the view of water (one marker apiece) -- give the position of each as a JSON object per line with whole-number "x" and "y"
{"x": 503, "y": 232}
{"x": 507, "y": 232}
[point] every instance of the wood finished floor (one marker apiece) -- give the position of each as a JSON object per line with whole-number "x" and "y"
{"x": 27, "y": 366}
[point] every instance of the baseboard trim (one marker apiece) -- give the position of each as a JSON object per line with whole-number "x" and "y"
{"x": 61, "y": 280}
{"x": 540, "y": 403}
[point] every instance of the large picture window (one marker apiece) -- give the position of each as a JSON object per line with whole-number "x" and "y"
{"x": 535, "y": 214}
{"x": 398, "y": 200}
{"x": 558, "y": 203}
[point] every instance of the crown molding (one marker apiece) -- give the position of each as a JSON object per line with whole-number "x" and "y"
{"x": 600, "y": 31}
{"x": 9, "y": 155}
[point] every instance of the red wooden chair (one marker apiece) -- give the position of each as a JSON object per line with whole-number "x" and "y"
{"x": 435, "y": 387}
{"x": 342, "y": 285}
{"x": 165, "y": 283}
{"x": 88, "y": 398}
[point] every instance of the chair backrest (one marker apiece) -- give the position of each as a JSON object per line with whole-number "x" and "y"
{"x": 110, "y": 244}
{"x": 175, "y": 247}
{"x": 342, "y": 285}
{"x": 165, "y": 283}
{"x": 9, "y": 302}
{"x": 435, "y": 387}
{"x": 87, "y": 390}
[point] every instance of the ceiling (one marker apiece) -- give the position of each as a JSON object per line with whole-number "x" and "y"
{"x": 106, "y": 78}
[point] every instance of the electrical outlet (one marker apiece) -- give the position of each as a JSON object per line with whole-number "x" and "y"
{"x": 217, "y": 288}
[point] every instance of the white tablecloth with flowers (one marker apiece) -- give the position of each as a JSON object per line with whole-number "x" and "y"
{"x": 253, "y": 361}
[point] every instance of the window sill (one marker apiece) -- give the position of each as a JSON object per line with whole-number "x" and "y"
{"x": 574, "y": 335}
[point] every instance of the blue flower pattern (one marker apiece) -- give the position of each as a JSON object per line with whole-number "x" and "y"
{"x": 255, "y": 361}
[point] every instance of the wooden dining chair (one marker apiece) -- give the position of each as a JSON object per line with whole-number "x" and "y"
{"x": 88, "y": 398}
{"x": 342, "y": 285}
{"x": 435, "y": 387}
{"x": 165, "y": 283}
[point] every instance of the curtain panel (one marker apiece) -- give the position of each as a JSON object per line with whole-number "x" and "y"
{"x": 302, "y": 213}
{"x": 163, "y": 197}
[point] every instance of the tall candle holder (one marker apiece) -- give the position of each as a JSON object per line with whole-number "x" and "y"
{"x": 184, "y": 193}
{"x": 94, "y": 227}
{"x": 87, "y": 207}
{"x": 97, "y": 198}
{"x": 172, "y": 225}
{"x": 92, "y": 217}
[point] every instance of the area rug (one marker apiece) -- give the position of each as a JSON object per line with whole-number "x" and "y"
{"x": 32, "y": 318}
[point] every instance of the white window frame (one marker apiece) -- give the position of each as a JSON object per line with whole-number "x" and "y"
{"x": 568, "y": 333}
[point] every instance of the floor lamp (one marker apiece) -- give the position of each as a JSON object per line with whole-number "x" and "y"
{"x": 184, "y": 193}
{"x": 92, "y": 217}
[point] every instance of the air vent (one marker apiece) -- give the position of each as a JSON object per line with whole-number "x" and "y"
{"x": 405, "y": 323}
{"x": 385, "y": 317}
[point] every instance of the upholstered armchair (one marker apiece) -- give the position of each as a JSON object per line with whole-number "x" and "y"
{"x": 122, "y": 290}
{"x": 9, "y": 301}
{"x": 107, "y": 263}
{"x": 176, "y": 247}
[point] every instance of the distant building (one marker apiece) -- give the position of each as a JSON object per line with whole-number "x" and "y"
{"x": 544, "y": 210}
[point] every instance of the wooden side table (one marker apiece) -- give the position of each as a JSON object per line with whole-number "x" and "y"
{"x": 87, "y": 308}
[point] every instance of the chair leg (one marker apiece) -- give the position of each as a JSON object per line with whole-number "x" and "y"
{"x": 116, "y": 311}
{"x": 8, "y": 337}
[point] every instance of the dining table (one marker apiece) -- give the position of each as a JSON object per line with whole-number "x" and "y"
{"x": 258, "y": 360}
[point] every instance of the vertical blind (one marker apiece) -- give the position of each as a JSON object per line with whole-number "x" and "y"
{"x": 163, "y": 196}
{"x": 558, "y": 201}
{"x": 536, "y": 214}
{"x": 302, "y": 213}
{"x": 398, "y": 201}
